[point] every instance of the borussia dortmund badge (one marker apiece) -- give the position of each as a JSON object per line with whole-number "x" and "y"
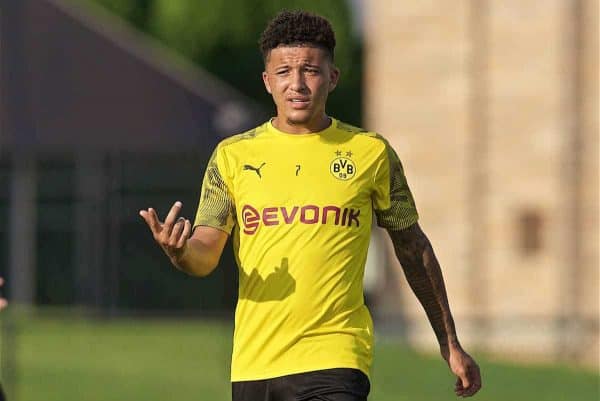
{"x": 343, "y": 168}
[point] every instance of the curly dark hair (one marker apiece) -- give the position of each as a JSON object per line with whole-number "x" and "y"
{"x": 297, "y": 28}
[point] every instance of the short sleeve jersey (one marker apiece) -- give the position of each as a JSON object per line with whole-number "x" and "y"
{"x": 299, "y": 209}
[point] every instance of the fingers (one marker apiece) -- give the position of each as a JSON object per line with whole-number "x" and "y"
{"x": 154, "y": 223}
{"x": 458, "y": 387}
{"x": 179, "y": 235}
{"x": 468, "y": 382}
{"x": 176, "y": 232}
{"x": 187, "y": 230}
{"x": 172, "y": 234}
{"x": 466, "y": 370}
{"x": 172, "y": 217}
{"x": 151, "y": 219}
{"x": 462, "y": 384}
{"x": 475, "y": 379}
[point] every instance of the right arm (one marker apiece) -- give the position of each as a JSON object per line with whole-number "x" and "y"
{"x": 198, "y": 254}
{"x": 202, "y": 251}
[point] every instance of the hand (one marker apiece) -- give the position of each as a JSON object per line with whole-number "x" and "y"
{"x": 3, "y": 301}
{"x": 171, "y": 235}
{"x": 465, "y": 368}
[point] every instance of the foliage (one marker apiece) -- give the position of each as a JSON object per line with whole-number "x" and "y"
{"x": 222, "y": 35}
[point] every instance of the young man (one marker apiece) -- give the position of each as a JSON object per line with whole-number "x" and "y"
{"x": 297, "y": 195}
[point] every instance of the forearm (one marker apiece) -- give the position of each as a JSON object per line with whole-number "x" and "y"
{"x": 424, "y": 275}
{"x": 196, "y": 258}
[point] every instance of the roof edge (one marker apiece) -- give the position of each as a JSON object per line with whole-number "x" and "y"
{"x": 150, "y": 51}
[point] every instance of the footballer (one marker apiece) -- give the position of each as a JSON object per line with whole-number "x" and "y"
{"x": 297, "y": 195}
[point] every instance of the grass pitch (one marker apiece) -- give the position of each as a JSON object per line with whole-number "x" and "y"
{"x": 140, "y": 359}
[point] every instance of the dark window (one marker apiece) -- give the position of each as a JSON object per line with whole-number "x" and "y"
{"x": 530, "y": 231}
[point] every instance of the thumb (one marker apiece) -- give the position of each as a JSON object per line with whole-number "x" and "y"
{"x": 465, "y": 379}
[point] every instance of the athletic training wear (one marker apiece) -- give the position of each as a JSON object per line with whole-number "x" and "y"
{"x": 321, "y": 385}
{"x": 299, "y": 207}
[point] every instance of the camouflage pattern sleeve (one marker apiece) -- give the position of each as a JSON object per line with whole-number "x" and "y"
{"x": 216, "y": 207}
{"x": 392, "y": 200}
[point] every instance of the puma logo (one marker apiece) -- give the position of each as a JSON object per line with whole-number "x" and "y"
{"x": 255, "y": 169}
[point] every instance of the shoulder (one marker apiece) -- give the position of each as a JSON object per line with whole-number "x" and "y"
{"x": 369, "y": 137}
{"x": 373, "y": 140}
{"x": 242, "y": 138}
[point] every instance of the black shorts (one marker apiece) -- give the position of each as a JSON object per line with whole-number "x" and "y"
{"x": 340, "y": 384}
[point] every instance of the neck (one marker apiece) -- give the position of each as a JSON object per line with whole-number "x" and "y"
{"x": 318, "y": 124}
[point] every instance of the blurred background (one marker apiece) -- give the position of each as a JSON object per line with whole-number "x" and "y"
{"x": 110, "y": 106}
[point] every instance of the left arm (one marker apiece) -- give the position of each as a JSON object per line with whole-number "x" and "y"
{"x": 424, "y": 275}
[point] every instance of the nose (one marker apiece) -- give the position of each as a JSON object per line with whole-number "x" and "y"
{"x": 297, "y": 83}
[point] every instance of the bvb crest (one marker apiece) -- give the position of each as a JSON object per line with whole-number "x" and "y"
{"x": 343, "y": 168}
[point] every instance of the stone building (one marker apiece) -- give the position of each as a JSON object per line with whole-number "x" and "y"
{"x": 493, "y": 108}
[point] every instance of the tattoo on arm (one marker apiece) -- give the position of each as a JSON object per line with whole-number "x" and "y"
{"x": 423, "y": 273}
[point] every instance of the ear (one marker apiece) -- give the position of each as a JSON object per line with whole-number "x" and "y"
{"x": 265, "y": 78}
{"x": 334, "y": 76}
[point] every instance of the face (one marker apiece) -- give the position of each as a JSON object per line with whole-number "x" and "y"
{"x": 300, "y": 78}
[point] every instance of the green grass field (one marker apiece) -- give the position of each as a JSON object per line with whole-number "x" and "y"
{"x": 66, "y": 359}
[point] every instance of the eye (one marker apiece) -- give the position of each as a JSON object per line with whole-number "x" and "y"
{"x": 281, "y": 72}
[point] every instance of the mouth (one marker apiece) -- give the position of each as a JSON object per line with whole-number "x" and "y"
{"x": 299, "y": 103}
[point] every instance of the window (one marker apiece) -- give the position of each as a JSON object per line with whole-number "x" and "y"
{"x": 530, "y": 232}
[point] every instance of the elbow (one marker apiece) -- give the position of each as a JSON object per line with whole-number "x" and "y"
{"x": 203, "y": 270}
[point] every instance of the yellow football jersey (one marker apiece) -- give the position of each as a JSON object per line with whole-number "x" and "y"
{"x": 299, "y": 208}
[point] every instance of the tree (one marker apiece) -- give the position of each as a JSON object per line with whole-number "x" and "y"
{"x": 221, "y": 36}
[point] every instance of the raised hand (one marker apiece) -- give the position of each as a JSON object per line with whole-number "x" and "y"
{"x": 172, "y": 234}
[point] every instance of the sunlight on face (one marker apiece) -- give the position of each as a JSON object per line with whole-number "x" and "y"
{"x": 300, "y": 78}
